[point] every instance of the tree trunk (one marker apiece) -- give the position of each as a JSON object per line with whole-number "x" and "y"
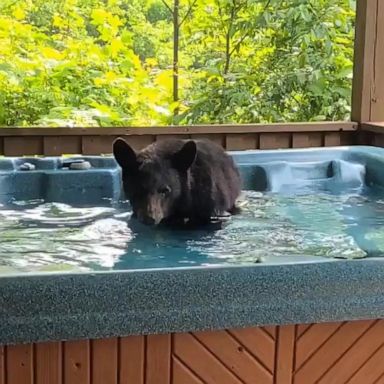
{"x": 227, "y": 52}
{"x": 228, "y": 39}
{"x": 176, "y": 30}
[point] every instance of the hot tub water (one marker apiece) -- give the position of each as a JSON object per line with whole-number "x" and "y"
{"x": 299, "y": 212}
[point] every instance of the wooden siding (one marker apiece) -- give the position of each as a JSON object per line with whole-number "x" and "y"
{"x": 328, "y": 353}
{"x": 96, "y": 141}
{"x": 371, "y": 134}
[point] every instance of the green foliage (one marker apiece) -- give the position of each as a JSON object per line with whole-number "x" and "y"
{"x": 108, "y": 62}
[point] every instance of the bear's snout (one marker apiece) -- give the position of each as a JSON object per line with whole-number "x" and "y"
{"x": 148, "y": 220}
{"x": 152, "y": 213}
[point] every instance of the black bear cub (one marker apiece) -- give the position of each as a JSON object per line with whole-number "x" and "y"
{"x": 173, "y": 181}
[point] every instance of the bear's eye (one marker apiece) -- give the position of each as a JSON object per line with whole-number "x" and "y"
{"x": 164, "y": 191}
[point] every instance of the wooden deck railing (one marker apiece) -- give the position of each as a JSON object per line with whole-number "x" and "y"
{"x": 95, "y": 141}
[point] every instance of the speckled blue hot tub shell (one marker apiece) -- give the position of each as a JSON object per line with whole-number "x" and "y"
{"x": 62, "y": 306}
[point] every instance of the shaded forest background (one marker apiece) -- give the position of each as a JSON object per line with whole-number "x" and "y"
{"x": 161, "y": 62}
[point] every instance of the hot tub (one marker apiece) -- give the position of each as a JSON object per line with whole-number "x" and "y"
{"x": 303, "y": 308}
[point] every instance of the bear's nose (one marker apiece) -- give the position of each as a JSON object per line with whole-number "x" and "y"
{"x": 148, "y": 220}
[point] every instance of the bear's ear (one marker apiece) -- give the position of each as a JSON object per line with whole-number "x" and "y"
{"x": 124, "y": 154}
{"x": 185, "y": 157}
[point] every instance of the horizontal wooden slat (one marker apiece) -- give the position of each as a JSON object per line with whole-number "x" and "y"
{"x": 96, "y": 145}
{"x": 303, "y": 140}
{"x": 97, "y": 141}
{"x": 243, "y": 141}
{"x": 349, "y": 138}
{"x": 364, "y": 138}
{"x": 140, "y": 141}
{"x": 332, "y": 139}
{"x": 372, "y": 134}
{"x": 19, "y": 146}
{"x": 184, "y": 130}
{"x": 218, "y": 138}
{"x": 59, "y": 145}
{"x": 378, "y": 140}
{"x": 275, "y": 140}
{"x": 173, "y": 136}
{"x": 373, "y": 127}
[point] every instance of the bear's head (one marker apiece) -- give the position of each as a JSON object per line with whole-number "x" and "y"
{"x": 155, "y": 179}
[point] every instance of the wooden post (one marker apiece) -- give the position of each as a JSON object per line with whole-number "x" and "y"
{"x": 368, "y": 74}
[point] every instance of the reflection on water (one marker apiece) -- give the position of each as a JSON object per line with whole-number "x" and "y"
{"x": 38, "y": 236}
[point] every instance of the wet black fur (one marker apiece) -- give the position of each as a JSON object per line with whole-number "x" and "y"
{"x": 203, "y": 180}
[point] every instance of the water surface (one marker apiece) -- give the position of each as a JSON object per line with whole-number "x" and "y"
{"x": 310, "y": 225}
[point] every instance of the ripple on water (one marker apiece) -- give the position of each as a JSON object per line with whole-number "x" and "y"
{"x": 39, "y": 236}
